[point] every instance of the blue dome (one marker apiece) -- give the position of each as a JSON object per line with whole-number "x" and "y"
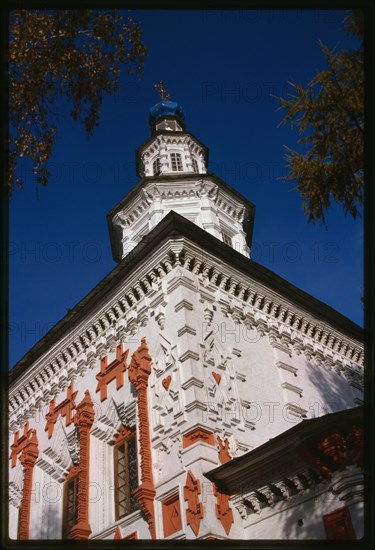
{"x": 170, "y": 108}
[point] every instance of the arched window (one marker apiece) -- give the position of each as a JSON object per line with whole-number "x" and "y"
{"x": 176, "y": 162}
{"x": 156, "y": 167}
{"x": 195, "y": 165}
{"x": 126, "y": 475}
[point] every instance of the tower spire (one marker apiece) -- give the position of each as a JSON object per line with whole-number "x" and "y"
{"x": 164, "y": 95}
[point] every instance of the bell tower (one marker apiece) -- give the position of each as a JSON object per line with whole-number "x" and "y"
{"x": 170, "y": 149}
{"x": 173, "y": 166}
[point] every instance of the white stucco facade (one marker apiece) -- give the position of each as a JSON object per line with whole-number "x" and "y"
{"x": 233, "y": 359}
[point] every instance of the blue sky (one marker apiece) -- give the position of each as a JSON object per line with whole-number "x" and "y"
{"x": 221, "y": 66}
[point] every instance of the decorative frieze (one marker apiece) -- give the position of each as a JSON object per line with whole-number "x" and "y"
{"x": 47, "y": 380}
{"x": 266, "y": 496}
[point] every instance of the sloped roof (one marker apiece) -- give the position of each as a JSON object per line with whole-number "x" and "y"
{"x": 175, "y": 226}
{"x": 282, "y": 448}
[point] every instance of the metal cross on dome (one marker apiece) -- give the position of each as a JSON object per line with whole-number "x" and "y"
{"x": 162, "y": 91}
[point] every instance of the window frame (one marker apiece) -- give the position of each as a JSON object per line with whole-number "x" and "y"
{"x": 75, "y": 481}
{"x": 124, "y": 442}
{"x": 156, "y": 161}
{"x": 175, "y": 155}
{"x": 225, "y": 235}
{"x": 195, "y": 165}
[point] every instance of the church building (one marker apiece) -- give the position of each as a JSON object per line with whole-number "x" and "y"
{"x": 193, "y": 393}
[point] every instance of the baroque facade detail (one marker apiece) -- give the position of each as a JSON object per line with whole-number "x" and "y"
{"x": 83, "y": 420}
{"x": 194, "y": 510}
{"x": 233, "y": 376}
{"x": 304, "y": 335}
{"x": 285, "y": 489}
{"x": 198, "y": 434}
{"x": 223, "y": 510}
{"x": 113, "y": 371}
{"x": 224, "y": 455}
{"x": 336, "y": 451}
{"x": 139, "y": 371}
{"x": 172, "y": 521}
{"x": 29, "y": 454}
{"x": 65, "y": 408}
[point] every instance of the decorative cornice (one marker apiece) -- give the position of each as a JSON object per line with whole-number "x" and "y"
{"x": 77, "y": 350}
{"x": 297, "y": 448}
{"x": 125, "y": 307}
{"x": 286, "y": 488}
{"x": 290, "y": 387}
{"x": 183, "y": 139}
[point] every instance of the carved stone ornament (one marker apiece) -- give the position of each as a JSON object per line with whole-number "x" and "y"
{"x": 83, "y": 420}
{"x": 65, "y": 409}
{"x": 139, "y": 371}
{"x": 223, "y": 511}
{"x": 113, "y": 371}
{"x": 194, "y": 511}
{"x": 29, "y": 455}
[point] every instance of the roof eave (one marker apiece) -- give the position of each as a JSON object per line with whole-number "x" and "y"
{"x": 285, "y": 445}
{"x": 176, "y": 225}
{"x": 129, "y": 196}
